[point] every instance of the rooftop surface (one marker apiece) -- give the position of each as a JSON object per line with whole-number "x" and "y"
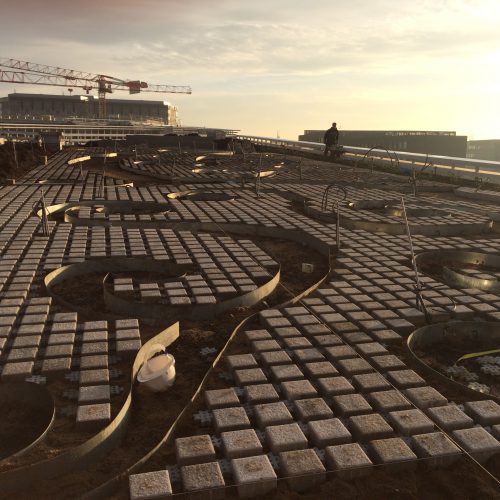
{"x": 293, "y": 372}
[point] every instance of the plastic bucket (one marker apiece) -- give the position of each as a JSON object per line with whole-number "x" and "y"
{"x": 157, "y": 373}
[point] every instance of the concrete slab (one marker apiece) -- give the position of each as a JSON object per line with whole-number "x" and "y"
{"x": 230, "y": 419}
{"x": 436, "y": 448}
{"x": 93, "y": 416}
{"x": 332, "y": 431}
{"x": 303, "y": 469}
{"x": 387, "y": 401}
{"x": 410, "y": 422}
{"x": 450, "y": 417}
{"x": 221, "y": 398}
{"x": 285, "y": 438}
{"x": 94, "y": 394}
{"x": 370, "y": 382}
{"x": 369, "y": 427}
{"x": 282, "y": 373}
{"x": 348, "y": 405}
{"x": 238, "y": 444}
{"x": 250, "y": 376}
{"x": 425, "y": 397}
{"x": 320, "y": 369}
{"x": 404, "y": 379}
{"x": 239, "y": 361}
{"x": 194, "y": 450}
{"x": 150, "y": 485}
{"x": 332, "y": 386}
{"x": 202, "y": 477}
{"x": 260, "y": 393}
{"x": 478, "y": 442}
{"x": 312, "y": 409}
{"x": 483, "y": 412}
{"x": 271, "y": 358}
{"x": 298, "y": 389}
{"x": 348, "y": 460}
{"x": 394, "y": 452}
{"x": 272, "y": 414}
{"x": 254, "y": 476}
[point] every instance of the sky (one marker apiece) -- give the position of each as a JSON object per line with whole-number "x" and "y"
{"x": 278, "y": 67}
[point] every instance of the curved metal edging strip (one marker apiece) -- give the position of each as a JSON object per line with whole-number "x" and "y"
{"x": 426, "y": 336}
{"x": 96, "y": 447}
{"x": 106, "y": 489}
{"x": 38, "y": 396}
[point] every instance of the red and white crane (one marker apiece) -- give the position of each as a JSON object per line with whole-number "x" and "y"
{"x": 15, "y": 71}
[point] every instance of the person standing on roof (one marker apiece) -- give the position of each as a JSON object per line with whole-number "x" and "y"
{"x": 331, "y": 138}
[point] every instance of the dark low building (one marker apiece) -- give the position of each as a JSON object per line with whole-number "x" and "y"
{"x": 488, "y": 149}
{"x": 426, "y": 142}
{"x": 57, "y": 107}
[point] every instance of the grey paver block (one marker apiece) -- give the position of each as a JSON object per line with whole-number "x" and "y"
{"x": 88, "y": 416}
{"x": 261, "y": 393}
{"x": 369, "y": 427}
{"x": 270, "y": 358}
{"x": 483, "y": 412}
{"x": 254, "y": 476}
{"x": 285, "y": 438}
{"x": 370, "y": 349}
{"x": 437, "y": 448}
{"x": 203, "y": 477}
{"x": 387, "y": 362}
{"x": 425, "y": 397}
{"x": 387, "y": 401}
{"x": 404, "y": 379}
{"x": 312, "y": 409}
{"x": 239, "y": 361}
{"x": 265, "y": 345}
{"x": 348, "y": 405}
{"x": 220, "y": 398}
{"x": 298, "y": 389}
{"x": 410, "y": 422}
{"x": 370, "y": 382}
{"x": 328, "y": 432}
{"x": 238, "y": 444}
{"x": 230, "y": 419}
{"x": 336, "y": 353}
{"x": 272, "y": 414}
{"x": 450, "y": 417}
{"x": 19, "y": 370}
{"x": 348, "y": 460}
{"x": 55, "y": 365}
{"x": 332, "y": 386}
{"x": 478, "y": 442}
{"x": 320, "y": 369}
{"x": 92, "y": 362}
{"x": 281, "y": 373}
{"x": 354, "y": 366}
{"x": 303, "y": 469}
{"x": 250, "y": 376}
{"x": 194, "y": 449}
{"x": 392, "y": 451}
{"x": 94, "y": 394}
{"x": 150, "y": 485}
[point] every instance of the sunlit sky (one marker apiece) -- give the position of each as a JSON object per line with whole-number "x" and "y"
{"x": 281, "y": 66}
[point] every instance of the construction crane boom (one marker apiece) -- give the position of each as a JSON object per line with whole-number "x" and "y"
{"x": 40, "y": 74}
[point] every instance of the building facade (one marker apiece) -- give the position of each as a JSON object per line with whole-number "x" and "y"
{"x": 57, "y": 107}
{"x": 425, "y": 142}
{"x": 488, "y": 149}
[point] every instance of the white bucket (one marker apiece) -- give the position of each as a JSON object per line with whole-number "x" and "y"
{"x": 158, "y": 373}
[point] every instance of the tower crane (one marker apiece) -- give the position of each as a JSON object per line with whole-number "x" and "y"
{"x": 15, "y": 71}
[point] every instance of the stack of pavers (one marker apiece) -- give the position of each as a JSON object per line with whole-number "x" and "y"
{"x": 313, "y": 396}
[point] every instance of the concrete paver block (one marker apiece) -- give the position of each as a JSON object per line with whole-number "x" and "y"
{"x": 254, "y": 476}
{"x": 332, "y": 386}
{"x": 281, "y": 373}
{"x": 298, "y": 389}
{"x": 478, "y": 442}
{"x": 272, "y": 414}
{"x": 270, "y": 358}
{"x": 436, "y": 447}
{"x": 425, "y": 397}
{"x": 393, "y": 451}
{"x": 95, "y": 415}
{"x": 348, "y": 460}
{"x": 202, "y": 477}
{"x": 370, "y": 382}
{"x": 320, "y": 369}
{"x": 387, "y": 401}
{"x": 387, "y": 362}
{"x": 150, "y": 485}
{"x": 265, "y": 345}
{"x": 312, "y": 409}
{"x": 94, "y": 377}
{"x": 348, "y": 405}
{"x": 410, "y": 422}
{"x": 303, "y": 469}
{"x": 230, "y": 419}
{"x": 250, "y": 376}
{"x": 240, "y": 361}
{"x": 332, "y": 431}
{"x": 369, "y": 427}
{"x": 403, "y": 379}
{"x": 353, "y": 366}
{"x": 285, "y": 438}
{"x": 450, "y": 417}
{"x": 220, "y": 398}
{"x": 94, "y": 394}
{"x": 483, "y": 412}
{"x": 194, "y": 449}
{"x": 238, "y": 444}
{"x": 336, "y": 353}
{"x": 261, "y": 393}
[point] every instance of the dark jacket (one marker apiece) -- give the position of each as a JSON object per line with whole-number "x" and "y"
{"x": 331, "y": 136}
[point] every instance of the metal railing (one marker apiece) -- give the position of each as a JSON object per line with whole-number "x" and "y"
{"x": 442, "y": 165}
